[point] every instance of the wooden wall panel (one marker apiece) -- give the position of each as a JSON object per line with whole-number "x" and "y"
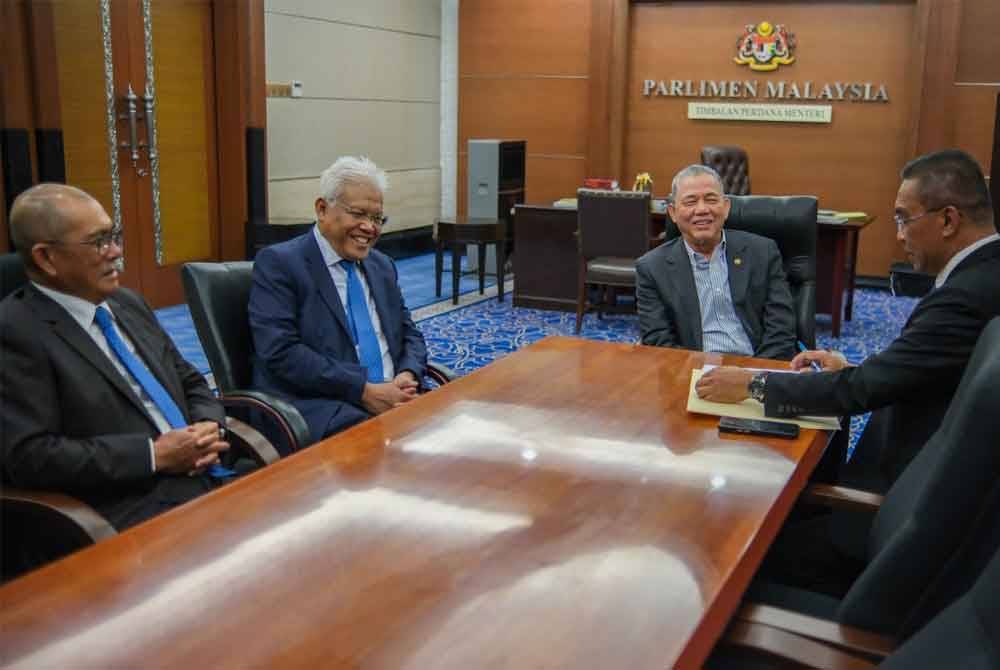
{"x": 979, "y": 44}
{"x": 524, "y": 74}
{"x": 851, "y": 163}
{"x": 504, "y": 37}
{"x": 974, "y": 121}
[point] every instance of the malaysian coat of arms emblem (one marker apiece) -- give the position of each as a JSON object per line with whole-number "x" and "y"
{"x": 764, "y": 47}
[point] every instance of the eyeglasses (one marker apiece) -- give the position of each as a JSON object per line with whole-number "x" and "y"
{"x": 101, "y": 244}
{"x": 377, "y": 220}
{"x": 902, "y": 221}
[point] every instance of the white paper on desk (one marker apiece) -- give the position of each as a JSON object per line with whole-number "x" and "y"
{"x": 750, "y": 409}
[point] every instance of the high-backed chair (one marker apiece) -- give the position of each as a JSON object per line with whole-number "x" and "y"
{"x": 791, "y": 222}
{"x": 218, "y": 295}
{"x": 964, "y": 635}
{"x": 732, "y": 164}
{"x": 11, "y": 273}
{"x": 613, "y": 229}
{"x": 932, "y": 533}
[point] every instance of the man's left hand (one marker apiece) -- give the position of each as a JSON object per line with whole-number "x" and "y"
{"x": 406, "y": 381}
{"x": 724, "y": 384}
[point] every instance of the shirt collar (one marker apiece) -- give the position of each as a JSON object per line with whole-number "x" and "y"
{"x": 693, "y": 255}
{"x": 81, "y": 310}
{"x": 961, "y": 256}
{"x": 330, "y": 257}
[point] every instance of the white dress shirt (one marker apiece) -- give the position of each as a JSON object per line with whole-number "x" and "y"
{"x": 961, "y": 256}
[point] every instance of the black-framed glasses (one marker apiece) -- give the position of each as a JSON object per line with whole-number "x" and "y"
{"x": 377, "y": 220}
{"x": 902, "y": 220}
{"x": 101, "y": 244}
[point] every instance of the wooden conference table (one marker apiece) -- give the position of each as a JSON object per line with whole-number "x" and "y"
{"x": 558, "y": 508}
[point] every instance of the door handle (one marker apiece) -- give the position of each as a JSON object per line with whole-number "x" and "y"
{"x": 149, "y": 104}
{"x": 132, "y": 144}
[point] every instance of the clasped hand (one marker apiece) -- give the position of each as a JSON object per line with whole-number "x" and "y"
{"x": 190, "y": 449}
{"x": 378, "y": 398}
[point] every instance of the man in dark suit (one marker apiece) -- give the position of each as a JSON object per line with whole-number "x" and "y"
{"x": 330, "y": 329}
{"x": 944, "y": 218}
{"x": 77, "y": 415}
{"x": 710, "y": 289}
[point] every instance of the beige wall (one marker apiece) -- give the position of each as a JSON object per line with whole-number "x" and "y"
{"x": 370, "y": 71}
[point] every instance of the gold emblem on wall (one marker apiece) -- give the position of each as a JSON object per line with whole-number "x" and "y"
{"x": 764, "y": 47}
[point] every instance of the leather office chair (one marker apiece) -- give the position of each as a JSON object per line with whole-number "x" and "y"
{"x": 732, "y": 164}
{"x": 11, "y": 273}
{"x": 218, "y": 295}
{"x": 613, "y": 232}
{"x": 37, "y": 527}
{"x": 963, "y": 636}
{"x": 791, "y": 222}
{"x": 933, "y": 532}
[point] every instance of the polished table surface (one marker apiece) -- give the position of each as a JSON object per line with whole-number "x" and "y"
{"x": 556, "y": 509}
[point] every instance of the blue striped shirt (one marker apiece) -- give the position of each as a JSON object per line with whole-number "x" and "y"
{"x": 721, "y": 330}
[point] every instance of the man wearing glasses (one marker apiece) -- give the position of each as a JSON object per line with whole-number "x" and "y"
{"x": 330, "y": 329}
{"x": 944, "y": 218}
{"x": 95, "y": 400}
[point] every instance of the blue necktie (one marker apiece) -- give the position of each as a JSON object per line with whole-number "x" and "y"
{"x": 361, "y": 323}
{"x": 149, "y": 383}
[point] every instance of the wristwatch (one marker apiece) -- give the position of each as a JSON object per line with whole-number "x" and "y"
{"x": 756, "y": 386}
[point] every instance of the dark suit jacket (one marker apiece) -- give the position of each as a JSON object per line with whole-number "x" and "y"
{"x": 669, "y": 312}
{"x": 70, "y": 421}
{"x": 304, "y": 350}
{"x": 913, "y": 379}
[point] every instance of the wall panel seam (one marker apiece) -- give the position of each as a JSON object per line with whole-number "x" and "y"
{"x": 387, "y": 170}
{"x": 355, "y": 25}
{"x": 524, "y": 76}
{"x": 344, "y": 99}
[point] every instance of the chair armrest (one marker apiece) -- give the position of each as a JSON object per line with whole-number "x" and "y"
{"x": 841, "y": 497}
{"x": 441, "y": 374}
{"x": 846, "y": 637}
{"x": 78, "y": 513}
{"x": 284, "y": 414}
{"x": 249, "y": 440}
{"x": 783, "y": 644}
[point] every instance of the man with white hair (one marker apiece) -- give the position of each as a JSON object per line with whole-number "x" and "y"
{"x": 331, "y": 331}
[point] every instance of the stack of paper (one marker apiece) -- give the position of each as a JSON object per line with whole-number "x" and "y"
{"x": 750, "y": 409}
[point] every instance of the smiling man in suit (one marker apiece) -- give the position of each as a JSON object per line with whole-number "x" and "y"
{"x": 712, "y": 289}
{"x": 95, "y": 400}
{"x": 330, "y": 328}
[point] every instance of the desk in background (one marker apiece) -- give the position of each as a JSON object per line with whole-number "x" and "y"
{"x": 546, "y": 262}
{"x": 836, "y": 266}
{"x": 558, "y": 508}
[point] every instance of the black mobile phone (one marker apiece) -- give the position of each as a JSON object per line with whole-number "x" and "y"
{"x": 732, "y": 424}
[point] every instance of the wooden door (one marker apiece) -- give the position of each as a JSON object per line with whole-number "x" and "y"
{"x": 130, "y": 84}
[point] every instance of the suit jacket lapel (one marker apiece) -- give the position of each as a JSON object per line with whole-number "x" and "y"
{"x": 324, "y": 282}
{"x": 679, "y": 266}
{"x": 66, "y": 328}
{"x": 378, "y": 291}
{"x": 739, "y": 271}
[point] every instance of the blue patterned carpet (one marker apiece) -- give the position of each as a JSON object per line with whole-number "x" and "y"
{"x": 470, "y": 337}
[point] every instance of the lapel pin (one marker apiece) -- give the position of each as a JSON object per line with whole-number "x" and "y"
{"x": 737, "y": 261}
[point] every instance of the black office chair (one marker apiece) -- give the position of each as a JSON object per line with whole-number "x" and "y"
{"x": 791, "y": 222}
{"x": 613, "y": 232}
{"x": 37, "y": 527}
{"x": 732, "y": 164}
{"x": 218, "y": 295}
{"x": 12, "y": 273}
{"x": 932, "y": 533}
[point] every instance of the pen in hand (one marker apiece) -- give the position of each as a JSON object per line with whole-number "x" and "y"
{"x": 813, "y": 364}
